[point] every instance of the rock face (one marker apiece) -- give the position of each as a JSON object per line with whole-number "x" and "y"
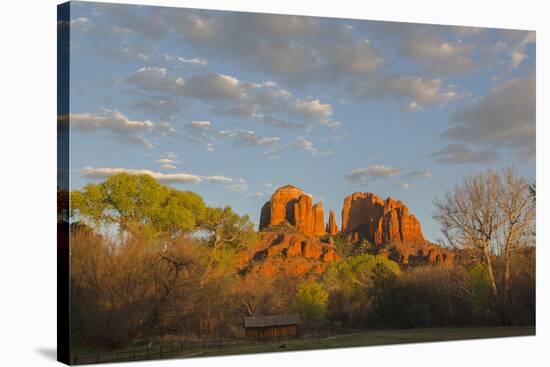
{"x": 332, "y": 227}
{"x": 291, "y": 205}
{"x": 287, "y": 253}
{"x": 420, "y": 253}
{"x": 365, "y": 216}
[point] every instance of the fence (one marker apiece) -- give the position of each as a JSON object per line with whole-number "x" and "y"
{"x": 183, "y": 349}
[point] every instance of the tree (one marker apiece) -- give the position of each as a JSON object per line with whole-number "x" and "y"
{"x": 311, "y": 301}
{"x": 127, "y": 201}
{"x": 493, "y": 213}
{"x": 359, "y": 283}
{"x": 469, "y": 216}
{"x": 518, "y": 217}
{"x": 227, "y": 233}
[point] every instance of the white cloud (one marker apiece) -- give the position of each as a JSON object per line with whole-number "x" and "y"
{"x": 357, "y": 58}
{"x": 503, "y": 119}
{"x": 82, "y": 24}
{"x": 265, "y": 102}
{"x": 308, "y": 146}
{"x": 217, "y": 179}
{"x": 194, "y": 61}
{"x": 200, "y": 129}
{"x": 415, "y": 91}
{"x": 102, "y": 173}
{"x": 367, "y": 174}
{"x": 181, "y": 177}
{"x": 165, "y": 161}
{"x": 404, "y": 186}
{"x": 249, "y": 138}
{"x": 109, "y": 120}
{"x": 419, "y": 174}
{"x": 516, "y": 58}
{"x": 439, "y": 56}
{"x": 124, "y": 128}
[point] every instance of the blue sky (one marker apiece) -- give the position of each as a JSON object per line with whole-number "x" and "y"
{"x": 232, "y": 105}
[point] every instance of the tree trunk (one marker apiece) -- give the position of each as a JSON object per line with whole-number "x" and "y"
{"x": 489, "y": 263}
{"x": 506, "y": 285}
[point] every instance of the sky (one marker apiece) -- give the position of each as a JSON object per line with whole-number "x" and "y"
{"x": 233, "y": 105}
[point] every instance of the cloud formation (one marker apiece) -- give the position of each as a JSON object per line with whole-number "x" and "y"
{"x": 463, "y": 154}
{"x": 124, "y": 128}
{"x": 502, "y": 120}
{"x": 181, "y": 177}
{"x": 308, "y": 146}
{"x": 265, "y": 102}
{"x": 414, "y": 92}
{"x": 371, "y": 173}
{"x": 249, "y": 138}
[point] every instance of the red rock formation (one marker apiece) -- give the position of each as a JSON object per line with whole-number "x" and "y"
{"x": 291, "y": 205}
{"x": 288, "y": 253}
{"x": 332, "y": 227}
{"x": 365, "y": 216}
{"x": 318, "y": 220}
{"x": 420, "y": 253}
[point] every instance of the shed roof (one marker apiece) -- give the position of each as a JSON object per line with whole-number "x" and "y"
{"x": 273, "y": 320}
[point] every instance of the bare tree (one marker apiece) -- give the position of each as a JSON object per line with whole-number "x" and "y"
{"x": 494, "y": 214}
{"x": 469, "y": 216}
{"x": 518, "y": 217}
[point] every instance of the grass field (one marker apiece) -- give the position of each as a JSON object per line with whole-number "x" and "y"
{"x": 360, "y": 339}
{"x": 371, "y": 338}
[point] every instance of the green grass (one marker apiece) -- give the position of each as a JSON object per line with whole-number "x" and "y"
{"x": 360, "y": 339}
{"x": 370, "y": 338}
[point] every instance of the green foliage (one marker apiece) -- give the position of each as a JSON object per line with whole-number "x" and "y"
{"x": 358, "y": 286}
{"x": 347, "y": 248}
{"x": 283, "y": 227}
{"x": 228, "y": 229}
{"x": 311, "y": 301}
{"x": 357, "y": 273}
{"x": 480, "y": 290}
{"x": 131, "y": 201}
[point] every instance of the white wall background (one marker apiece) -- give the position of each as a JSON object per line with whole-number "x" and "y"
{"x": 28, "y": 182}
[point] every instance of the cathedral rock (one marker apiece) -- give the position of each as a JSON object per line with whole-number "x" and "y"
{"x": 291, "y": 205}
{"x": 365, "y": 216}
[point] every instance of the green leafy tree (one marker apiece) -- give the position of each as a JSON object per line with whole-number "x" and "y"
{"x": 132, "y": 202}
{"x": 358, "y": 273}
{"x": 227, "y": 229}
{"x": 311, "y": 301}
{"x": 226, "y": 234}
{"x": 358, "y": 285}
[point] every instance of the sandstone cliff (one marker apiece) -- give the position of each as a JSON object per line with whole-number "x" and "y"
{"x": 291, "y": 205}
{"x": 365, "y": 216}
{"x": 332, "y": 227}
{"x": 289, "y": 254}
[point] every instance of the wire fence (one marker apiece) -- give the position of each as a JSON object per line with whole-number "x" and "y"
{"x": 171, "y": 350}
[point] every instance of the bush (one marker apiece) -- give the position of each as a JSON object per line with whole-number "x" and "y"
{"x": 311, "y": 302}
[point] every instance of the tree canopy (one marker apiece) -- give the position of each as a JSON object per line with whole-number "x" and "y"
{"x": 128, "y": 200}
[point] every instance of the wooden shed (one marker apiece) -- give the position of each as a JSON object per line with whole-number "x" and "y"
{"x": 271, "y": 327}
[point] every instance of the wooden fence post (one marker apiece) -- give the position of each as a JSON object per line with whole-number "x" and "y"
{"x": 134, "y": 353}
{"x": 160, "y": 353}
{"x": 147, "y": 353}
